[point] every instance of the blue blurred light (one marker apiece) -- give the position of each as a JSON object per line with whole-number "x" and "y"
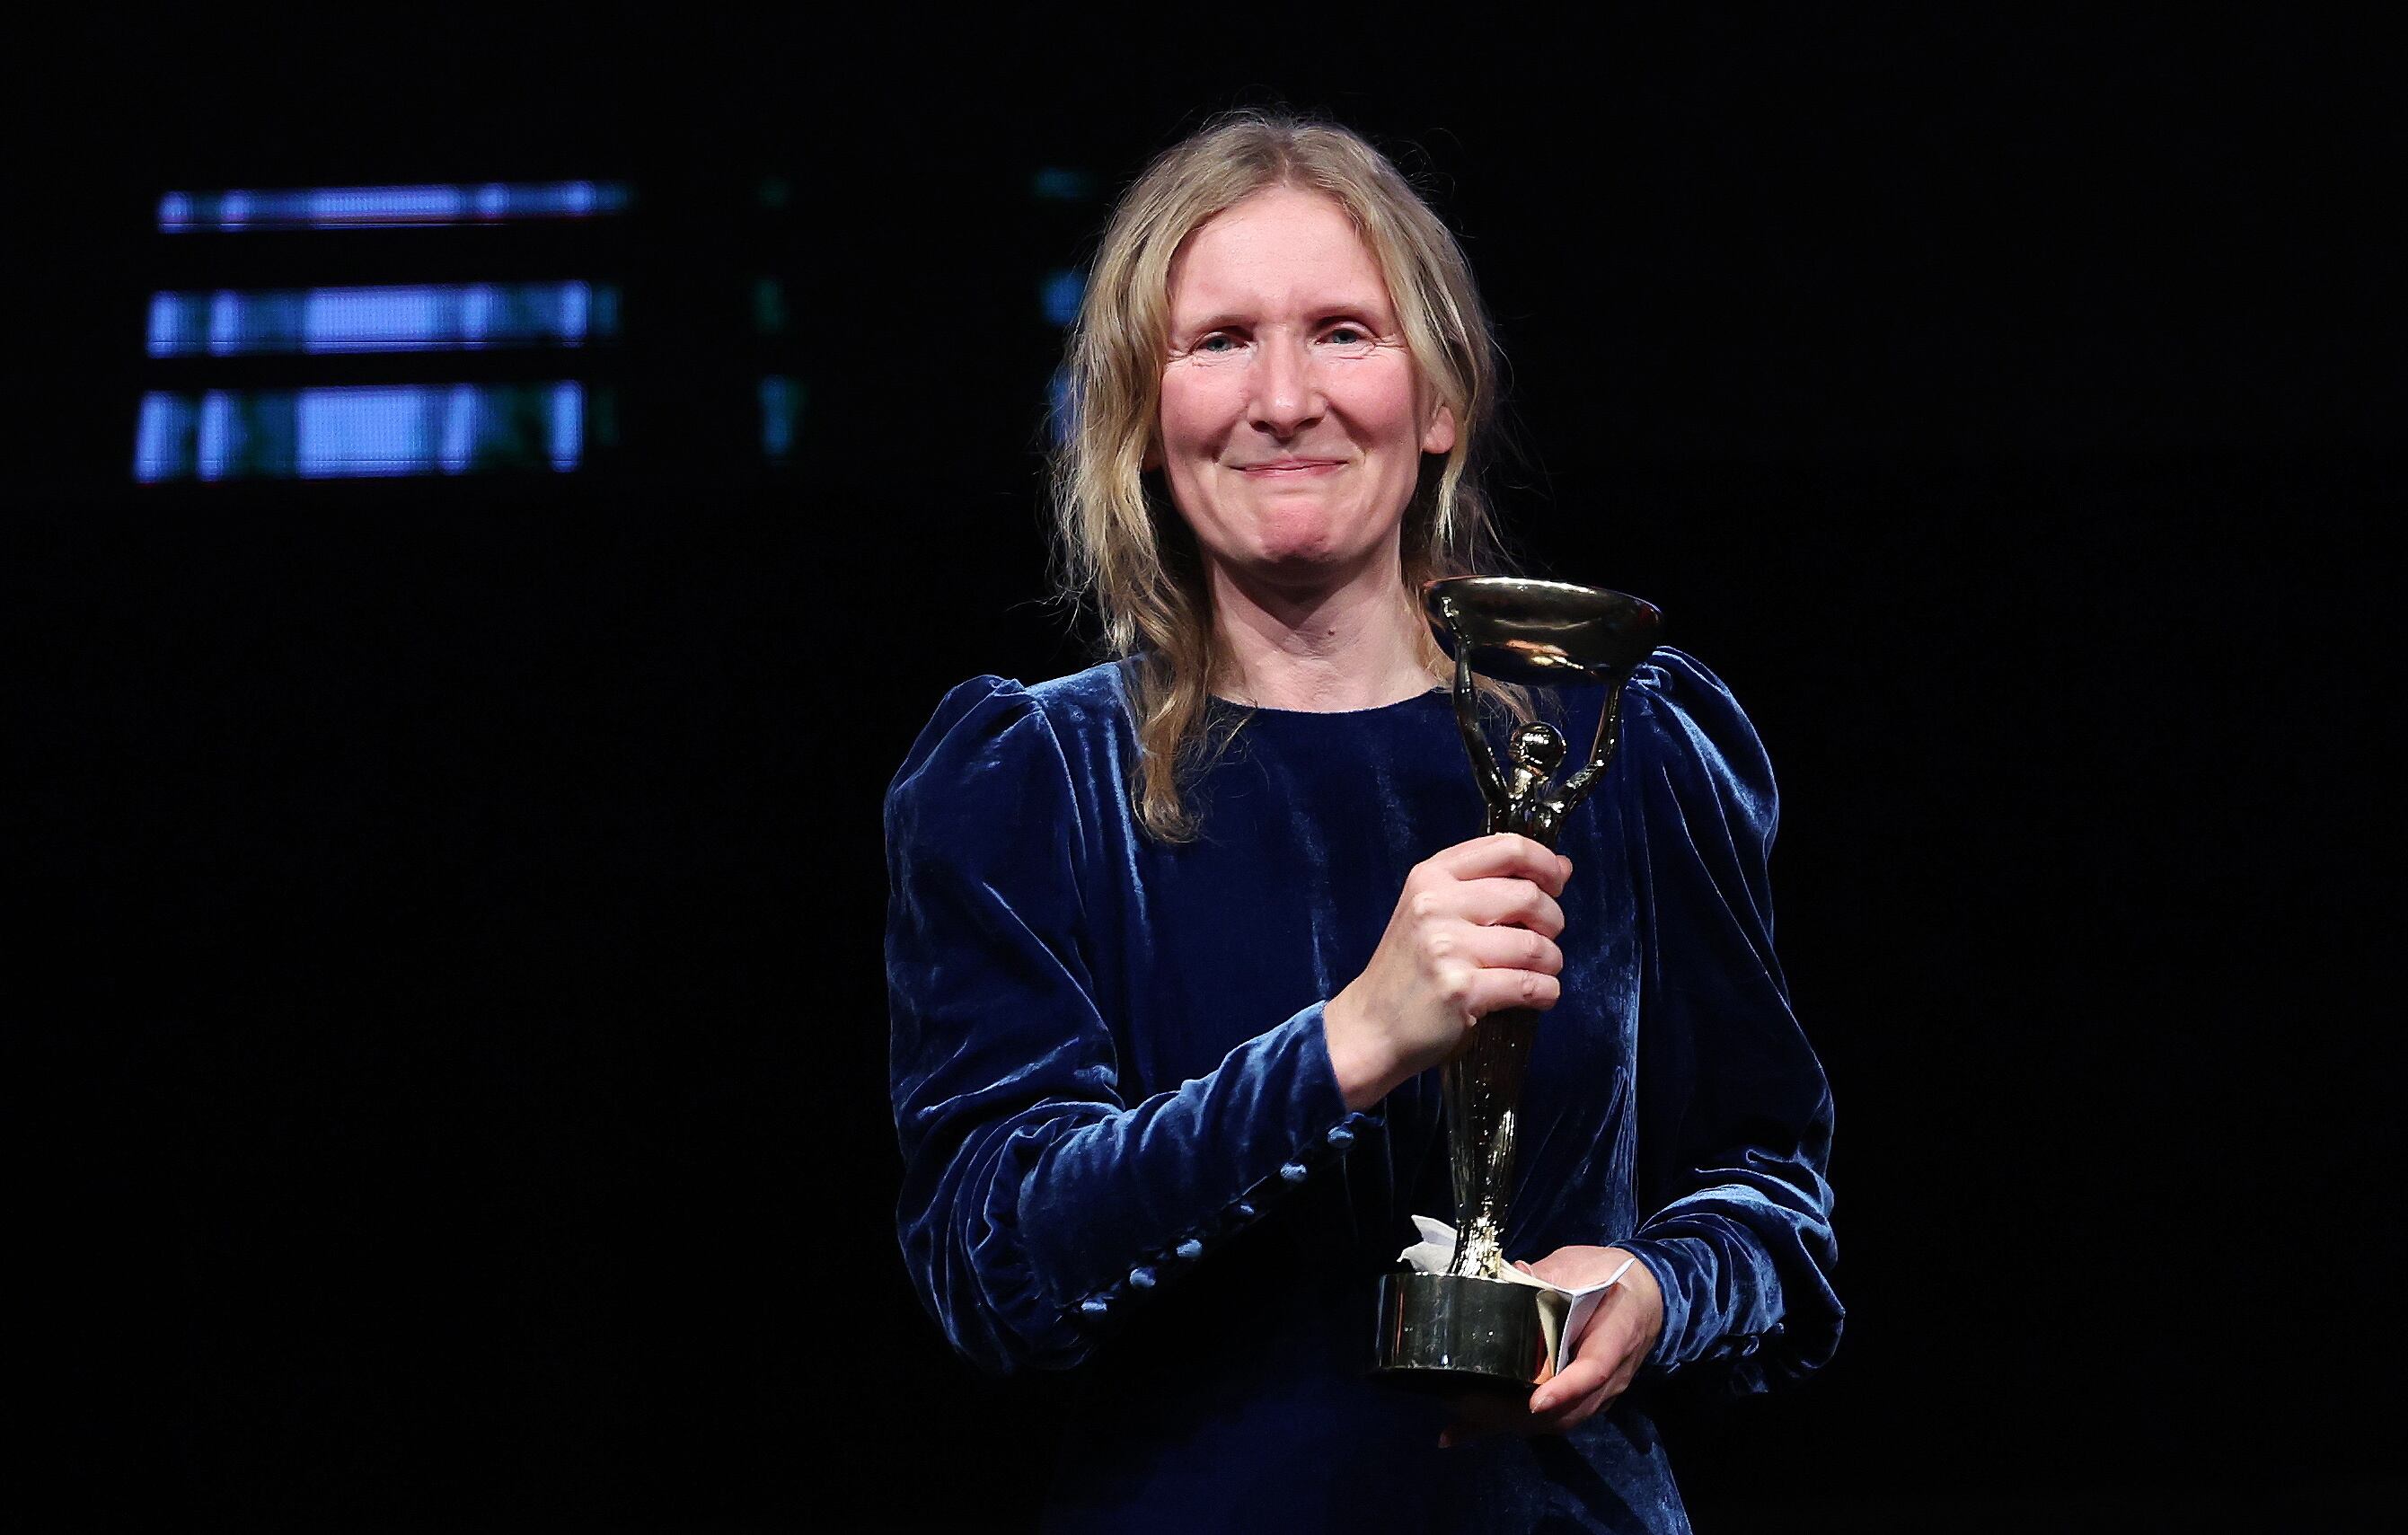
{"x": 335, "y": 206}
{"x": 164, "y": 310}
{"x": 163, "y": 437}
{"x": 225, "y": 322}
{"x": 459, "y": 430}
{"x": 476, "y": 304}
{"x": 359, "y": 431}
{"x": 568, "y": 424}
{"x": 1061, "y": 293}
{"x": 365, "y": 431}
{"x": 781, "y": 403}
{"x": 383, "y": 207}
{"x": 1057, "y": 184}
{"x": 217, "y": 436}
{"x": 453, "y": 317}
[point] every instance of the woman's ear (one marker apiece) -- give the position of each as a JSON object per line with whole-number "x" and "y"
{"x": 1439, "y": 439}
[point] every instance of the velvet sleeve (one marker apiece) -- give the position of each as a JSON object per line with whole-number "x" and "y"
{"x": 1038, "y": 1205}
{"x": 1734, "y": 1135}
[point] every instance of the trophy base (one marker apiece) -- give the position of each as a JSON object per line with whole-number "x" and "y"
{"x": 1456, "y": 1332}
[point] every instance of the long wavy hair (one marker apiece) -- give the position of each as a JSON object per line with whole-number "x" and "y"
{"x": 1122, "y": 545}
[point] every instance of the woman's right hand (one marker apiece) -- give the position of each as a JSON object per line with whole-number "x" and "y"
{"x": 1473, "y": 933}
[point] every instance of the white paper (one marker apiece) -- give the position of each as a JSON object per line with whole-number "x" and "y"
{"x": 1436, "y": 1250}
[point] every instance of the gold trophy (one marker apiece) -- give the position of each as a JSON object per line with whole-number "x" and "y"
{"x": 1469, "y": 1327}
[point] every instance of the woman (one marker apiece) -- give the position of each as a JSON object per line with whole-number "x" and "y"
{"x": 1171, "y": 955}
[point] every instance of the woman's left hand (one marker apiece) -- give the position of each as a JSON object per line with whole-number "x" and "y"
{"x": 1620, "y": 1333}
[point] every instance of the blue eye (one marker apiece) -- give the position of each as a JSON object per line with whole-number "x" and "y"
{"x": 1216, "y": 342}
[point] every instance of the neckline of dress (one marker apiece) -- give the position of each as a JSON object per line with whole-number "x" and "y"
{"x": 1267, "y": 711}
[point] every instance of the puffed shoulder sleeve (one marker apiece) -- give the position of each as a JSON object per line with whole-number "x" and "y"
{"x": 1037, "y": 1204}
{"x": 1734, "y": 1137}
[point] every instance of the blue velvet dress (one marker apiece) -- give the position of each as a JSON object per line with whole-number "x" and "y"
{"x": 1126, "y": 1154}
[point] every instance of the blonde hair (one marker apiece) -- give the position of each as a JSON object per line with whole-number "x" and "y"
{"x": 1119, "y": 540}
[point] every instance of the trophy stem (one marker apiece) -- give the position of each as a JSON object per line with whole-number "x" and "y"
{"x": 1483, "y": 1088}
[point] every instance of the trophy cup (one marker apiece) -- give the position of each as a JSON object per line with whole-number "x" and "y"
{"x": 1469, "y": 1327}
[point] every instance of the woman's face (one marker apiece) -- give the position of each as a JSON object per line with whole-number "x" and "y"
{"x": 1293, "y": 419}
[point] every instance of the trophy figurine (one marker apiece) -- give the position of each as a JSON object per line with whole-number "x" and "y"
{"x": 1470, "y": 1326}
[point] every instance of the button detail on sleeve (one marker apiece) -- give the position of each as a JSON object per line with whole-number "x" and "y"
{"x": 1189, "y": 1251}
{"x": 1292, "y": 1173}
{"x": 1094, "y": 1305}
{"x": 1141, "y": 1277}
{"x": 1340, "y": 1137}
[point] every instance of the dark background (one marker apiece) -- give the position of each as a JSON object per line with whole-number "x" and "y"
{"x": 453, "y": 1091}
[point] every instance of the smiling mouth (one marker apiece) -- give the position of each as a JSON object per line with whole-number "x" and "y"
{"x": 1292, "y": 465}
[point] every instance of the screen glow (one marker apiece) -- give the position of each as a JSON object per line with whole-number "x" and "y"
{"x": 457, "y": 317}
{"x": 1059, "y": 295}
{"x": 1061, "y": 184}
{"x": 782, "y": 405}
{"x": 386, "y": 208}
{"x": 358, "y": 431}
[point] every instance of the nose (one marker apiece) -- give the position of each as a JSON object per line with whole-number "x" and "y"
{"x": 1286, "y": 395}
